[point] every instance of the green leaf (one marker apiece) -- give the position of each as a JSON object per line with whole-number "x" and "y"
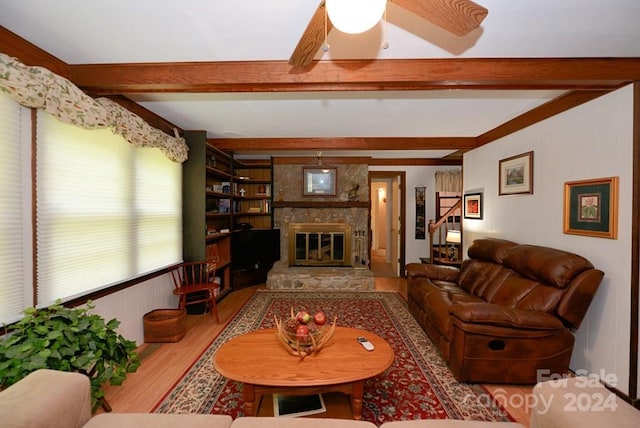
{"x": 41, "y": 330}
{"x": 113, "y": 324}
{"x": 45, "y": 353}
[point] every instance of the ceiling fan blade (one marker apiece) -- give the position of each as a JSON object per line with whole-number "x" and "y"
{"x": 311, "y": 39}
{"x": 459, "y": 17}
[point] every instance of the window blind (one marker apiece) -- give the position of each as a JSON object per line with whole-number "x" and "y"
{"x": 12, "y": 265}
{"x": 106, "y": 211}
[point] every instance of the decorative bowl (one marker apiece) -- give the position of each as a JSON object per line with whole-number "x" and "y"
{"x": 303, "y": 338}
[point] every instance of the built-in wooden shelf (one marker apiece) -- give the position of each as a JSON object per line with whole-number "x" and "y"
{"x": 320, "y": 204}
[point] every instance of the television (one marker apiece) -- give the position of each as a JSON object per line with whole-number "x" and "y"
{"x": 255, "y": 248}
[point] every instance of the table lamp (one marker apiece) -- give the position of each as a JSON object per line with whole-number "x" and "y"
{"x": 453, "y": 237}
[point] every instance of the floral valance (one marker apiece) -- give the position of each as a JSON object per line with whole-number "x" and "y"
{"x": 38, "y": 87}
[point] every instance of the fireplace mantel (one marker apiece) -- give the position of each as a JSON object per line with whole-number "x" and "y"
{"x": 320, "y": 204}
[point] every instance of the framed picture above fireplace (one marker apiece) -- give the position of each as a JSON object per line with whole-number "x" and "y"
{"x": 318, "y": 181}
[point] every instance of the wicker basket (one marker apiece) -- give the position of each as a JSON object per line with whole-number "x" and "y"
{"x": 164, "y": 325}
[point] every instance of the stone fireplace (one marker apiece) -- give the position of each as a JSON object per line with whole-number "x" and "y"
{"x": 323, "y": 240}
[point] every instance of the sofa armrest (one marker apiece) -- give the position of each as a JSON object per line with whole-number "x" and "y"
{"x": 47, "y": 399}
{"x": 437, "y": 272}
{"x": 580, "y": 402}
{"x": 489, "y": 313}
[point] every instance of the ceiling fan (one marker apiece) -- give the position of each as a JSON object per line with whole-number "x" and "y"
{"x": 456, "y": 16}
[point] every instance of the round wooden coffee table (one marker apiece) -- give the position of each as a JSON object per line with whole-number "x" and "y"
{"x": 264, "y": 366}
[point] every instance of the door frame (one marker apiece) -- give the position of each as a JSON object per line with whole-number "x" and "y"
{"x": 402, "y": 177}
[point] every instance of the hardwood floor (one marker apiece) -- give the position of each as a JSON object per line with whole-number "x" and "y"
{"x": 379, "y": 265}
{"x": 163, "y": 364}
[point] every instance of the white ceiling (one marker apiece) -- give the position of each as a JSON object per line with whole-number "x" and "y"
{"x": 124, "y": 31}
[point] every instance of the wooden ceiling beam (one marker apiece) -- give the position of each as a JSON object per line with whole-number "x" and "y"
{"x": 310, "y": 160}
{"x": 358, "y": 75}
{"x": 354, "y": 143}
{"x": 415, "y": 162}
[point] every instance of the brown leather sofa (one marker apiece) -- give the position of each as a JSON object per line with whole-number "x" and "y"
{"x": 507, "y": 313}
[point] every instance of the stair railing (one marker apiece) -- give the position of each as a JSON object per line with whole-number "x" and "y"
{"x": 442, "y": 225}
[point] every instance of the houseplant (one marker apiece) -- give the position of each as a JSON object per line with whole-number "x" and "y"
{"x": 67, "y": 339}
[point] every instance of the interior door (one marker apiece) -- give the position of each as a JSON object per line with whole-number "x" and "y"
{"x": 396, "y": 211}
{"x": 396, "y": 226}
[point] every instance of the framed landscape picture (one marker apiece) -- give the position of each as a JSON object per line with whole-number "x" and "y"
{"x": 318, "y": 181}
{"x": 472, "y": 205}
{"x": 591, "y": 207}
{"x": 516, "y": 174}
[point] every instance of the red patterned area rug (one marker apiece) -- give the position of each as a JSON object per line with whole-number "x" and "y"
{"x": 418, "y": 385}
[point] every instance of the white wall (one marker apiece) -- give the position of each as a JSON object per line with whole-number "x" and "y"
{"x": 128, "y": 306}
{"x": 593, "y": 140}
{"x": 417, "y": 176}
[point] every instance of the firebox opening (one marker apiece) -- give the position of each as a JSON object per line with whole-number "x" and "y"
{"x": 320, "y": 244}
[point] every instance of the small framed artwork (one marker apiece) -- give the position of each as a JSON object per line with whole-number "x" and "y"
{"x": 516, "y": 174}
{"x": 591, "y": 207}
{"x": 472, "y": 205}
{"x": 318, "y": 181}
{"x": 420, "y": 212}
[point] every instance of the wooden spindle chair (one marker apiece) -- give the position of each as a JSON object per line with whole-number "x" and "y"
{"x": 196, "y": 278}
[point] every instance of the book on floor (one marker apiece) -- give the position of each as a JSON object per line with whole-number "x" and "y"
{"x": 298, "y": 405}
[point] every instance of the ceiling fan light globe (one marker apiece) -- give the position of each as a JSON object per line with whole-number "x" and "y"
{"x": 355, "y": 16}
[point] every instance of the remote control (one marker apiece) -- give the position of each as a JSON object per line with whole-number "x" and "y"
{"x": 365, "y": 343}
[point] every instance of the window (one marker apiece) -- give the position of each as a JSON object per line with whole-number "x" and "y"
{"x": 15, "y": 215}
{"x": 106, "y": 211}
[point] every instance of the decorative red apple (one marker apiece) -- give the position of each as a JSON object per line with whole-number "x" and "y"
{"x": 319, "y": 318}
{"x": 302, "y": 333}
{"x": 303, "y": 317}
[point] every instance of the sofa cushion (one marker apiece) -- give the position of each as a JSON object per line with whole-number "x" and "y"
{"x": 547, "y": 265}
{"x": 486, "y": 313}
{"x": 439, "y": 272}
{"x": 273, "y": 422}
{"x": 516, "y": 283}
{"x": 523, "y": 293}
{"x": 158, "y": 420}
{"x": 449, "y": 423}
{"x": 480, "y": 277}
{"x": 490, "y": 249}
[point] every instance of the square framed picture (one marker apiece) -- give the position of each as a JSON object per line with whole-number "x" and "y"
{"x": 591, "y": 207}
{"x": 516, "y": 175}
{"x": 318, "y": 181}
{"x": 472, "y": 205}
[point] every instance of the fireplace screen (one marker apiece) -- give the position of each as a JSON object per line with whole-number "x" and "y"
{"x": 319, "y": 244}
